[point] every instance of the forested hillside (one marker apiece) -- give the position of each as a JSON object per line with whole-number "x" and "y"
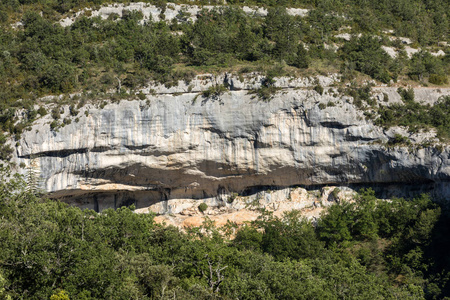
{"x": 401, "y": 15}
{"x": 42, "y": 57}
{"x": 369, "y": 249}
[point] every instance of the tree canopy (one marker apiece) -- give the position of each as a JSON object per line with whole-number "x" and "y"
{"x": 367, "y": 249}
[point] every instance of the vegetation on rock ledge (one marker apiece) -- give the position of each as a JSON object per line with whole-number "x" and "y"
{"x": 115, "y": 57}
{"x": 417, "y": 116}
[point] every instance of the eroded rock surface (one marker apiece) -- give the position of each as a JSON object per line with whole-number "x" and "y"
{"x": 176, "y": 144}
{"x": 242, "y": 209}
{"x": 170, "y": 12}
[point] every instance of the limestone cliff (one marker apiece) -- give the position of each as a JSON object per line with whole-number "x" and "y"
{"x": 176, "y": 144}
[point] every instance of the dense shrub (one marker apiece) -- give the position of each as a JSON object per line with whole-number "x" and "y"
{"x": 214, "y": 91}
{"x": 367, "y": 56}
{"x": 203, "y": 207}
{"x": 415, "y": 115}
{"x": 319, "y": 89}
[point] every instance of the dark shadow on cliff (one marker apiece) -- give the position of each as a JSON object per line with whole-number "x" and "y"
{"x": 437, "y": 257}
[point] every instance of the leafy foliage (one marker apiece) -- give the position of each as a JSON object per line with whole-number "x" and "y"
{"x": 366, "y": 55}
{"x": 366, "y": 249}
{"x": 417, "y": 116}
{"x": 423, "y": 64}
{"x": 203, "y": 207}
{"x": 214, "y": 91}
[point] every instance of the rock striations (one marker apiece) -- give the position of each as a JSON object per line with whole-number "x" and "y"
{"x": 177, "y": 144}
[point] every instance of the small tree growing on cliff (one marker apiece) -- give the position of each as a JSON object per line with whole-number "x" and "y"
{"x": 203, "y": 207}
{"x": 302, "y": 59}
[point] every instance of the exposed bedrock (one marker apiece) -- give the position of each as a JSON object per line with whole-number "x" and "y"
{"x": 182, "y": 146}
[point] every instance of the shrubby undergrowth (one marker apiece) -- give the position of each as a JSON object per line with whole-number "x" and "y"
{"x": 417, "y": 116}
{"x": 367, "y": 249}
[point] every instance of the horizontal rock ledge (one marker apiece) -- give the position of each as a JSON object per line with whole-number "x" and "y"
{"x": 179, "y": 146}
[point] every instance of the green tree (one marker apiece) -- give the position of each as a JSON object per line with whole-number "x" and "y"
{"x": 334, "y": 226}
{"x": 302, "y": 59}
{"x": 423, "y": 64}
{"x": 367, "y": 56}
{"x": 280, "y": 28}
{"x": 248, "y": 238}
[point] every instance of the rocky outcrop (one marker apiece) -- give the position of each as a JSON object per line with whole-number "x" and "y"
{"x": 241, "y": 209}
{"x": 169, "y": 12}
{"x": 176, "y": 144}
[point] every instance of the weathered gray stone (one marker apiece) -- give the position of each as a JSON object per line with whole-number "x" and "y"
{"x": 187, "y": 147}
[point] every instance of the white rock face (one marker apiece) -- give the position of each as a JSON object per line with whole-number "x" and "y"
{"x": 422, "y": 95}
{"x": 154, "y": 13}
{"x": 241, "y": 209}
{"x": 184, "y": 146}
{"x": 390, "y": 51}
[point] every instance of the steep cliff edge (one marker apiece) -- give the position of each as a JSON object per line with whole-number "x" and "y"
{"x": 176, "y": 144}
